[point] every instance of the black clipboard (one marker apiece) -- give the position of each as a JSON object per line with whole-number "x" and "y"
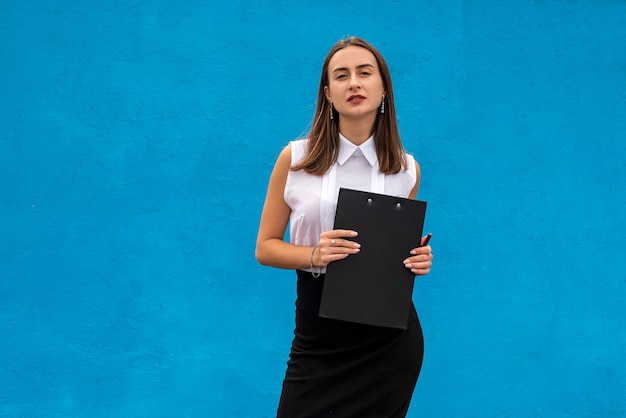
{"x": 373, "y": 286}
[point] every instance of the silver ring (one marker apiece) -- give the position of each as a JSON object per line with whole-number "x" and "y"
{"x": 332, "y": 242}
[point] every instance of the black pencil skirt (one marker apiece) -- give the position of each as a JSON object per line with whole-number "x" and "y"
{"x": 343, "y": 369}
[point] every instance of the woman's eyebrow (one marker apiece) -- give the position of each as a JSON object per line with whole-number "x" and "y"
{"x": 358, "y": 67}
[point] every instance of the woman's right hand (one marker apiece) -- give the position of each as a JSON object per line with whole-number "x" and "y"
{"x": 335, "y": 245}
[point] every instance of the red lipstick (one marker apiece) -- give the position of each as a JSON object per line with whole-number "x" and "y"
{"x": 356, "y": 98}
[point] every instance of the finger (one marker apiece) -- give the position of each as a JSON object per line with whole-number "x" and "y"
{"x": 419, "y": 258}
{"x": 421, "y": 250}
{"x": 419, "y": 268}
{"x": 340, "y": 242}
{"x": 336, "y": 238}
{"x": 349, "y": 248}
{"x": 420, "y": 272}
{"x": 342, "y": 233}
{"x": 421, "y": 261}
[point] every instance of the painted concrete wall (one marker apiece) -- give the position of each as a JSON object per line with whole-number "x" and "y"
{"x": 136, "y": 140}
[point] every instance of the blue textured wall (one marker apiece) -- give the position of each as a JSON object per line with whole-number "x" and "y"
{"x": 136, "y": 140}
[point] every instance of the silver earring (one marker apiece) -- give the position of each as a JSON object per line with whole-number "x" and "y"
{"x": 331, "y": 110}
{"x": 382, "y": 106}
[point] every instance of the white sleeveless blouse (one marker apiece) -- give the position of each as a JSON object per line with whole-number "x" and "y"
{"x": 313, "y": 199}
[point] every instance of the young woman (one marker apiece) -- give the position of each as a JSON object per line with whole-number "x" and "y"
{"x": 338, "y": 368}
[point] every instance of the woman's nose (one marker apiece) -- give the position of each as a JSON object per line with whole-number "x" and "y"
{"x": 354, "y": 82}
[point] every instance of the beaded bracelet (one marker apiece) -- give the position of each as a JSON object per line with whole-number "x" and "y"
{"x": 315, "y": 275}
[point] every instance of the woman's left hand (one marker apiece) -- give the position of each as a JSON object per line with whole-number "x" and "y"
{"x": 421, "y": 260}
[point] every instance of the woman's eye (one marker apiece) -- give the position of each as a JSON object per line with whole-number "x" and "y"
{"x": 340, "y": 76}
{"x": 365, "y": 73}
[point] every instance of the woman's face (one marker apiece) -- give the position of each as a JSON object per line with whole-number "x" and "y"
{"x": 355, "y": 86}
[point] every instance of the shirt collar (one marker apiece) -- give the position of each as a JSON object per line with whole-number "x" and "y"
{"x": 347, "y": 149}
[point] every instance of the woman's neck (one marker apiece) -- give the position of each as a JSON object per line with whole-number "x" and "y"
{"x": 356, "y": 132}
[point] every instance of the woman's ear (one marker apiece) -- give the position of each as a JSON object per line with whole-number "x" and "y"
{"x": 327, "y": 93}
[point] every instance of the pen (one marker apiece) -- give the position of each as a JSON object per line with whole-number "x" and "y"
{"x": 427, "y": 239}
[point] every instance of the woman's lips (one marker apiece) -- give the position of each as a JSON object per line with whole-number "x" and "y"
{"x": 357, "y": 98}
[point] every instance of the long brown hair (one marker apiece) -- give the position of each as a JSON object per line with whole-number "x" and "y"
{"x": 323, "y": 144}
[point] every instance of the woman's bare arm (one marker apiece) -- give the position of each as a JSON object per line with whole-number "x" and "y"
{"x": 271, "y": 249}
